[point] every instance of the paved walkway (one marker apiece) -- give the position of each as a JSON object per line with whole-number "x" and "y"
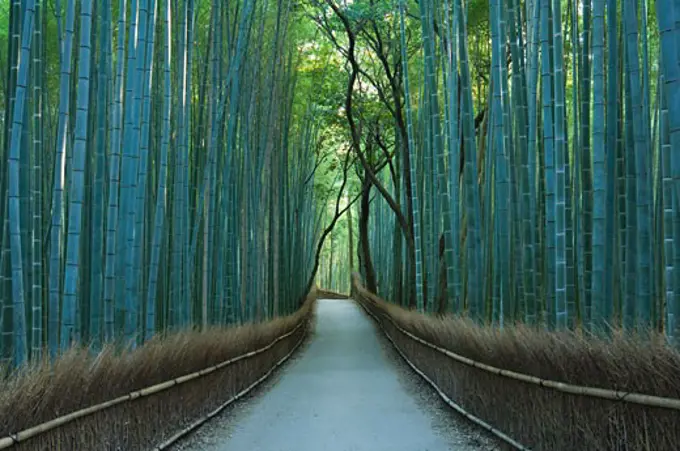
{"x": 344, "y": 392}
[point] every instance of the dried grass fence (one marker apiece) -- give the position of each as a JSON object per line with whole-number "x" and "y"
{"x": 330, "y": 294}
{"x": 140, "y": 400}
{"x": 546, "y": 390}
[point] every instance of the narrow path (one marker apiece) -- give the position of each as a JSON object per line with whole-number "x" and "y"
{"x": 342, "y": 394}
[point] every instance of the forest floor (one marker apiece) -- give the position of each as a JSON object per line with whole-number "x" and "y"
{"x": 346, "y": 390}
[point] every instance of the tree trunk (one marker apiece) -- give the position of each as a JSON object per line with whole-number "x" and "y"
{"x": 351, "y": 239}
{"x": 366, "y": 261}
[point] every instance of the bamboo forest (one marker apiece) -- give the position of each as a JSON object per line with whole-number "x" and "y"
{"x": 181, "y": 168}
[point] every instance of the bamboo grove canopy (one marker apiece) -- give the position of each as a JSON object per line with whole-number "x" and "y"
{"x": 176, "y": 164}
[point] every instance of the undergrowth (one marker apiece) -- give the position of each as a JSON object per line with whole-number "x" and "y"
{"x": 78, "y": 379}
{"x": 330, "y": 294}
{"x": 539, "y": 417}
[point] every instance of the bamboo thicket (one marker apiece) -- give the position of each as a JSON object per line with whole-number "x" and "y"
{"x": 143, "y": 142}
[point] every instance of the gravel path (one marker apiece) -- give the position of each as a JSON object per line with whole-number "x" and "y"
{"x": 347, "y": 390}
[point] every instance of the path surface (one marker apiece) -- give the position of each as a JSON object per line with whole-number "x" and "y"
{"x": 343, "y": 393}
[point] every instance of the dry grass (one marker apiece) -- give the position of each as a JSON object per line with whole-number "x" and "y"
{"x": 330, "y": 294}
{"x": 79, "y": 380}
{"x": 542, "y": 418}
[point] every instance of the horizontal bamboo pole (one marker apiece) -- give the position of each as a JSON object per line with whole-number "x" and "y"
{"x": 457, "y": 407}
{"x": 14, "y": 439}
{"x": 602, "y": 393}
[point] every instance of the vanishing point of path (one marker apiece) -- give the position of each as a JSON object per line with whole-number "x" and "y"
{"x": 345, "y": 392}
